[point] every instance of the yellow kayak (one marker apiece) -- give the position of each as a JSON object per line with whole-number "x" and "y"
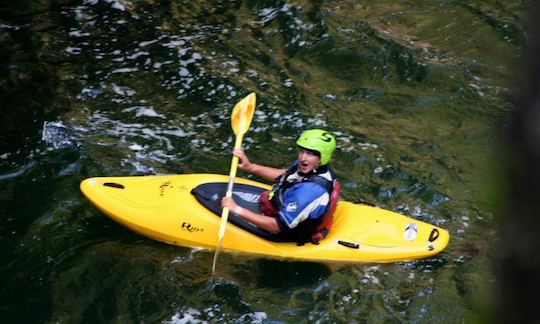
{"x": 184, "y": 210}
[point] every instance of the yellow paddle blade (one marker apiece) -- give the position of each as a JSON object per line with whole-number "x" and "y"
{"x": 242, "y": 114}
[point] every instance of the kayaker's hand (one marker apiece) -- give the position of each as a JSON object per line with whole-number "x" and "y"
{"x": 231, "y": 204}
{"x": 245, "y": 164}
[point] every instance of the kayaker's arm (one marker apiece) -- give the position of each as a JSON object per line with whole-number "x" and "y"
{"x": 263, "y": 222}
{"x": 266, "y": 172}
{"x": 262, "y": 171}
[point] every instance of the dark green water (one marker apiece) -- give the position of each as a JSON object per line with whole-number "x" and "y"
{"x": 413, "y": 91}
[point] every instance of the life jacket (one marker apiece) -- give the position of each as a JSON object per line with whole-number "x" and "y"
{"x": 309, "y": 230}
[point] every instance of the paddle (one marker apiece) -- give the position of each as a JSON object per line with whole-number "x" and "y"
{"x": 240, "y": 120}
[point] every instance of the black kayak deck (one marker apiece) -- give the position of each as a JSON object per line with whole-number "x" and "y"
{"x": 210, "y": 194}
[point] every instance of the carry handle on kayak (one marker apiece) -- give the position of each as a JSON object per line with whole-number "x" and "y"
{"x": 349, "y": 244}
{"x": 433, "y": 235}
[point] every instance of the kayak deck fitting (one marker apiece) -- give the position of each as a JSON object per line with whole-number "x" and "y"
{"x": 184, "y": 210}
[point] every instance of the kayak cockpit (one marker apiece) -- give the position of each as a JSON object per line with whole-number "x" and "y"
{"x": 210, "y": 194}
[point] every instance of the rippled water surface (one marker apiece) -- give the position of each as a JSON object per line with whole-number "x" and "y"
{"x": 412, "y": 90}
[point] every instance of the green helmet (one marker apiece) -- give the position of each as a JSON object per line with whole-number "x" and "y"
{"x": 320, "y": 141}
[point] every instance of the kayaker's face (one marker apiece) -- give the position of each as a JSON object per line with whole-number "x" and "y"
{"x": 308, "y": 160}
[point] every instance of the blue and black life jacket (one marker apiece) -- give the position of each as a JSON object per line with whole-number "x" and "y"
{"x": 310, "y": 230}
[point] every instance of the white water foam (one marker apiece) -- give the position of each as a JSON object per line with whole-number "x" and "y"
{"x": 57, "y": 135}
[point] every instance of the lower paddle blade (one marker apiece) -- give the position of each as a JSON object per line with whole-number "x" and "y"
{"x": 221, "y": 233}
{"x": 216, "y": 253}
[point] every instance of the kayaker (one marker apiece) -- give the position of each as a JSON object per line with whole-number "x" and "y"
{"x": 300, "y": 198}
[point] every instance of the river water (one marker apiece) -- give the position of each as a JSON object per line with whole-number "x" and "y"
{"x": 413, "y": 91}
